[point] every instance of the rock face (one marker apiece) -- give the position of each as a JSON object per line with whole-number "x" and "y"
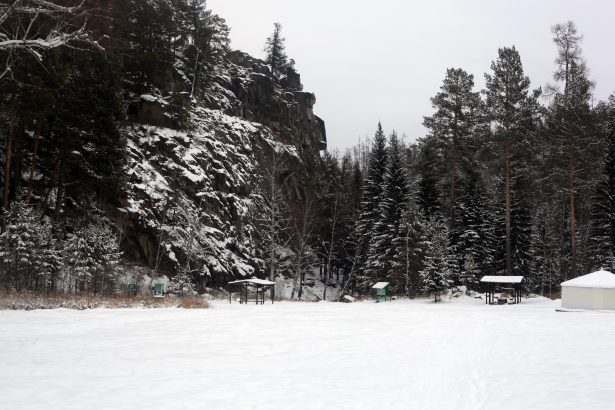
{"x": 189, "y": 199}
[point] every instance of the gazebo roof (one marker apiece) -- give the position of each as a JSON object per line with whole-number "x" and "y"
{"x": 502, "y": 279}
{"x": 260, "y": 282}
{"x": 601, "y": 279}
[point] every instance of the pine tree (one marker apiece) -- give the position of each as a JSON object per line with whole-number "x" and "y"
{"x": 510, "y": 109}
{"x": 276, "y": 51}
{"x": 439, "y": 263}
{"x": 456, "y": 118}
{"x": 573, "y": 126}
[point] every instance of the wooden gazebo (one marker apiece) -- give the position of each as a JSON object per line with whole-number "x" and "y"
{"x": 257, "y": 286}
{"x": 492, "y": 283}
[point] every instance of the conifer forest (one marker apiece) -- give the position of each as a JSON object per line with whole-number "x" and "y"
{"x": 134, "y": 140}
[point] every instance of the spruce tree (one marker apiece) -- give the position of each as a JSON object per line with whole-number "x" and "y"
{"x": 276, "y": 51}
{"x": 387, "y": 233}
{"x": 407, "y": 256}
{"x": 370, "y": 204}
{"x": 91, "y": 254}
{"x": 428, "y": 195}
{"x": 29, "y": 255}
{"x": 439, "y": 263}
{"x": 472, "y": 233}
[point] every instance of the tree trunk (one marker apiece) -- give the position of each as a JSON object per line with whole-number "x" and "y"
{"x": 61, "y": 179}
{"x": 18, "y": 159}
{"x": 508, "y": 203}
{"x": 573, "y": 227}
{"x": 324, "y": 297}
{"x": 7, "y": 175}
{"x": 453, "y": 179}
{"x": 33, "y": 164}
{"x": 196, "y": 73}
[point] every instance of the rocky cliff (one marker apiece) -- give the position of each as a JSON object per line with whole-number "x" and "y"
{"x": 189, "y": 200}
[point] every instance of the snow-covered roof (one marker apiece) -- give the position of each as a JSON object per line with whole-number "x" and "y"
{"x": 253, "y": 282}
{"x": 502, "y": 279}
{"x": 380, "y": 285}
{"x": 601, "y": 279}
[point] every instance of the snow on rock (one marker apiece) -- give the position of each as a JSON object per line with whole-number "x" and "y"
{"x": 191, "y": 189}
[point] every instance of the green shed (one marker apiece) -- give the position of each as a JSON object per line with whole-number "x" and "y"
{"x": 382, "y": 290}
{"x": 159, "y": 290}
{"x": 131, "y": 289}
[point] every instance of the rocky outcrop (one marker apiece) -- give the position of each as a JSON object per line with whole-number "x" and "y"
{"x": 190, "y": 193}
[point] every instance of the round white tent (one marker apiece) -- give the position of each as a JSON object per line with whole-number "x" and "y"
{"x": 595, "y": 291}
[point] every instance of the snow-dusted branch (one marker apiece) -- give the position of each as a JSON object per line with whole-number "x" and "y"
{"x": 36, "y": 26}
{"x": 55, "y": 40}
{"x": 36, "y": 7}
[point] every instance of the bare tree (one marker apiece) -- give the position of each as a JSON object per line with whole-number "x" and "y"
{"x": 303, "y": 227}
{"x": 330, "y": 248}
{"x": 271, "y": 217}
{"x": 35, "y": 26}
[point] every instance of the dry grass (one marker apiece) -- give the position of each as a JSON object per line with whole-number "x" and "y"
{"x": 193, "y": 303}
{"x": 32, "y": 301}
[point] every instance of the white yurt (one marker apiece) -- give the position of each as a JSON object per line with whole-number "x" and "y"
{"x": 595, "y": 291}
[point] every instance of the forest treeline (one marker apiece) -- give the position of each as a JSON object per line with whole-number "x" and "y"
{"x": 509, "y": 180}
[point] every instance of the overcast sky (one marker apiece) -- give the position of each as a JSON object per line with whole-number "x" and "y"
{"x": 383, "y": 60}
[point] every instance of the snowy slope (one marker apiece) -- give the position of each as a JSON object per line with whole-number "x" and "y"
{"x": 399, "y": 355}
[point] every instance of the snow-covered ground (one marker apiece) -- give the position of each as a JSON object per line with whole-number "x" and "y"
{"x": 399, "y": 355}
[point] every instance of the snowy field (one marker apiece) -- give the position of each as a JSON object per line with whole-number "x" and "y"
{"x": 399, "y": 355}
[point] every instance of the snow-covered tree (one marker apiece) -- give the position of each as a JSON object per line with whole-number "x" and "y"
{"x": 387, "y": 234}
{"x": 373, "y": 185}
{"x": 188, "y": 237}
{"x": 602, "y": 234}
{"x": 407, "y": 256}
{"x": 28, "y": 253}
{"x": 472, "y": 235}
{"x": 439, "y": 264}
{"x": 91, "y": 254}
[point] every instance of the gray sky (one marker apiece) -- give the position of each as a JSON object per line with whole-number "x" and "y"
{"x": 383, "y": 60}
